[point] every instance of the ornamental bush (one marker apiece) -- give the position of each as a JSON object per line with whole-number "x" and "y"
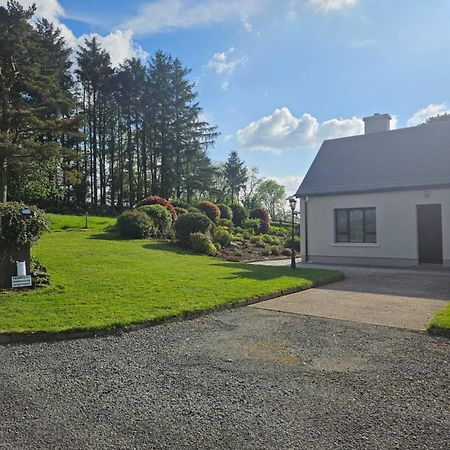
{"x": 264, "y": 218}
{"x": 17, "y": 229}
{"x": 179, "y": 204}
{"x": 251, "y": 224}
{"x": 190, "y": 223}
{"x": 239, "y": 214}
{"x": 226, "y": 223}
{"x": 225, "y": 211}
{"x": 211, "y": 210}
{"x": 222, "y": 237}
{"x": 288, "y": 243}
{"x": 201, "y": 243}
{"x": 161, "y": 217}
{"x": 157, "y": 200}
{"x": 180, "y": 210}
{"x": 135, "y": 224}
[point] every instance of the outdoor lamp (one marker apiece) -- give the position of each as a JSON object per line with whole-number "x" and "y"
{"x": 293, "y": 203}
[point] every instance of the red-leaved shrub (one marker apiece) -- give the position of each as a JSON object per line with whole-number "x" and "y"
{"x": 264, "y": 217}
{"x": 157, "y": 200}
{"x": 211, "y": 210}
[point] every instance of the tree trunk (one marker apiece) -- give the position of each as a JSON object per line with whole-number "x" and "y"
{"x": 3, "y": 180}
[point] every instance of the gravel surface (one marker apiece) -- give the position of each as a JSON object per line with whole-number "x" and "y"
{"x": 241, "y": 379}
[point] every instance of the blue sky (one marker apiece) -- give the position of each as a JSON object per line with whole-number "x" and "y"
{"x": 279, "y": 76}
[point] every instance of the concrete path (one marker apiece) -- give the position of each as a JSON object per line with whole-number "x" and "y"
{"x": 391, "y": 297}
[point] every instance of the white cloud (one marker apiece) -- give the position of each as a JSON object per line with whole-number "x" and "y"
{"x": 246, "y": 23}
{"x": 333, "y": 5}
{"x": 290, "y": 183}
{"x": 166, "y": 15}
{"x": 225, "y": 85}
{"x": 425, "y": 113}
{"x": 281, "y": 130}
{"x": 223, "y": 64}
{"x": 119, "y": 44}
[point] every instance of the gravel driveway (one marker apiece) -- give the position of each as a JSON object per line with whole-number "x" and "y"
{"x": 241, "y": 379}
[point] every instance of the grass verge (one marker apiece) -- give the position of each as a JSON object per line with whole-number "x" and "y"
{"x": 441, "y": 320}
{"x": 102, "y": 282}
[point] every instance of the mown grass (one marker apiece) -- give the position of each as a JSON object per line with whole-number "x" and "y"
{"x": 100, "y": 281}
{"x": 60, "y": 222}
{"x": 441, "y": 319}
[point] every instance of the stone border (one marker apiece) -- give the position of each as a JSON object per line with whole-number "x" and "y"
{"x": 44, "y": 336}
{"x": 441, "y": 332}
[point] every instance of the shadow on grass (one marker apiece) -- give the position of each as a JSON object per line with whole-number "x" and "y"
{"x": 107, "y": 236}
{"x": 265, "y": 273}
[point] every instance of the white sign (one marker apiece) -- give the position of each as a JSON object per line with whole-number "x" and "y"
{"x": 21, "y": 281}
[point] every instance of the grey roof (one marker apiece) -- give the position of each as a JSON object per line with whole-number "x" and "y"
{"x": 416, "y": 157}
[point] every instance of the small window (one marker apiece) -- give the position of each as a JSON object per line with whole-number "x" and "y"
{"x": 355, "y": 225}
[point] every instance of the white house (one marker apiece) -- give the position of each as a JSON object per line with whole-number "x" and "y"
{"x": 382, "y": 198}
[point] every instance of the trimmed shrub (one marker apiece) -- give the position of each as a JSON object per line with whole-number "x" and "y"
{"x": 264, "y": 219}
{"x": 16, "y": 229}
{"x": 193, "y": 209}
{"x": 201, "y": 243}
{"x": 226, "y": 223}
{"x": 180, "y": 210}
{"x": 275, "y": 250}
{"x": 179, "y": 204}
{"x": 288, "y": 243}
{"x": 239, "y": 214}
{"x": 286, "y": 252}
{"x": 157, "y": 200}
{"x": 251, "y": 224}
{"x": 266, "y": 252}
{"x": 222, "y": 237}
{"x": 161, "y": 217}
{"x": 211, "y": 210}
{"x": 225, "y": 211}
{"x": 135, "y": 224}
{"x": 190, "y": 223}
{"x": 268, "y": 239}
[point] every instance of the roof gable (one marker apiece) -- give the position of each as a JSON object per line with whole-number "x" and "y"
{"x": 398, "y": 159}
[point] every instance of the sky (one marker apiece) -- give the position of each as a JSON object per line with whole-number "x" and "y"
{"x": 279, "y": 76}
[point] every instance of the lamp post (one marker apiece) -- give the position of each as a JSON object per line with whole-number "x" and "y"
{"x": 292, "y": 204}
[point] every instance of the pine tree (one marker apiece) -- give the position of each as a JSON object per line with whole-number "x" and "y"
{"x": 37, "y": 110}
{"x": 235, "y": 174}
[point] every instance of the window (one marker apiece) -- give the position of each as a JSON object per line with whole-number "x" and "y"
{"x": 355, "y": 225}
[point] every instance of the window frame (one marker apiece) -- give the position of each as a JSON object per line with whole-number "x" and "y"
{"x": 348, "y": 231}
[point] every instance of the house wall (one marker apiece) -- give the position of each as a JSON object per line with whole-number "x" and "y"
{"x": 396, "y": 216}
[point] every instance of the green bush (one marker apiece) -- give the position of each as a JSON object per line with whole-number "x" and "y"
{"x": 135, "y": 224}
{"x": 251, "y": 224}
{"x": 180, "y": 210}
{"x": 211, "y": 210}
{"x": 193, "y": 209}
{"x": 16, "y": 229}
{"x": 276, "y": 251}
{"x": 239, "y": 214}
{"x": 266, "y": 252}
{"x": 222, "y": 237}
{"x": 263, "y": 216}
{"x": 179, "y": 204}
{"x": 257, "y": 241}
{"x": 161, "y": 217}
{"x": 286, "y": 252}
{"x": 288, "y": 243}
{"x": 201, "y": 243}
{"x": 226, "y": 223}
{"x": 190, "y": 223}
{"x": 157, "y": 200}
{"x": 225, "y": 211}
{"x": 268, "y": 239}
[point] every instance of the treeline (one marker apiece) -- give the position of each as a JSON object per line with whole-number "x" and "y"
{"x": 74, "y": 130}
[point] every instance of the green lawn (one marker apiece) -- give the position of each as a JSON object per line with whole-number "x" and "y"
{"x": 100, "y": 281}
{"x": 441, "y": 319}
{"x": 60, "y": 222}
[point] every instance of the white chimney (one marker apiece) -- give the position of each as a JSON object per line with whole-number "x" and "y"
{"x": 377, "y": 123}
